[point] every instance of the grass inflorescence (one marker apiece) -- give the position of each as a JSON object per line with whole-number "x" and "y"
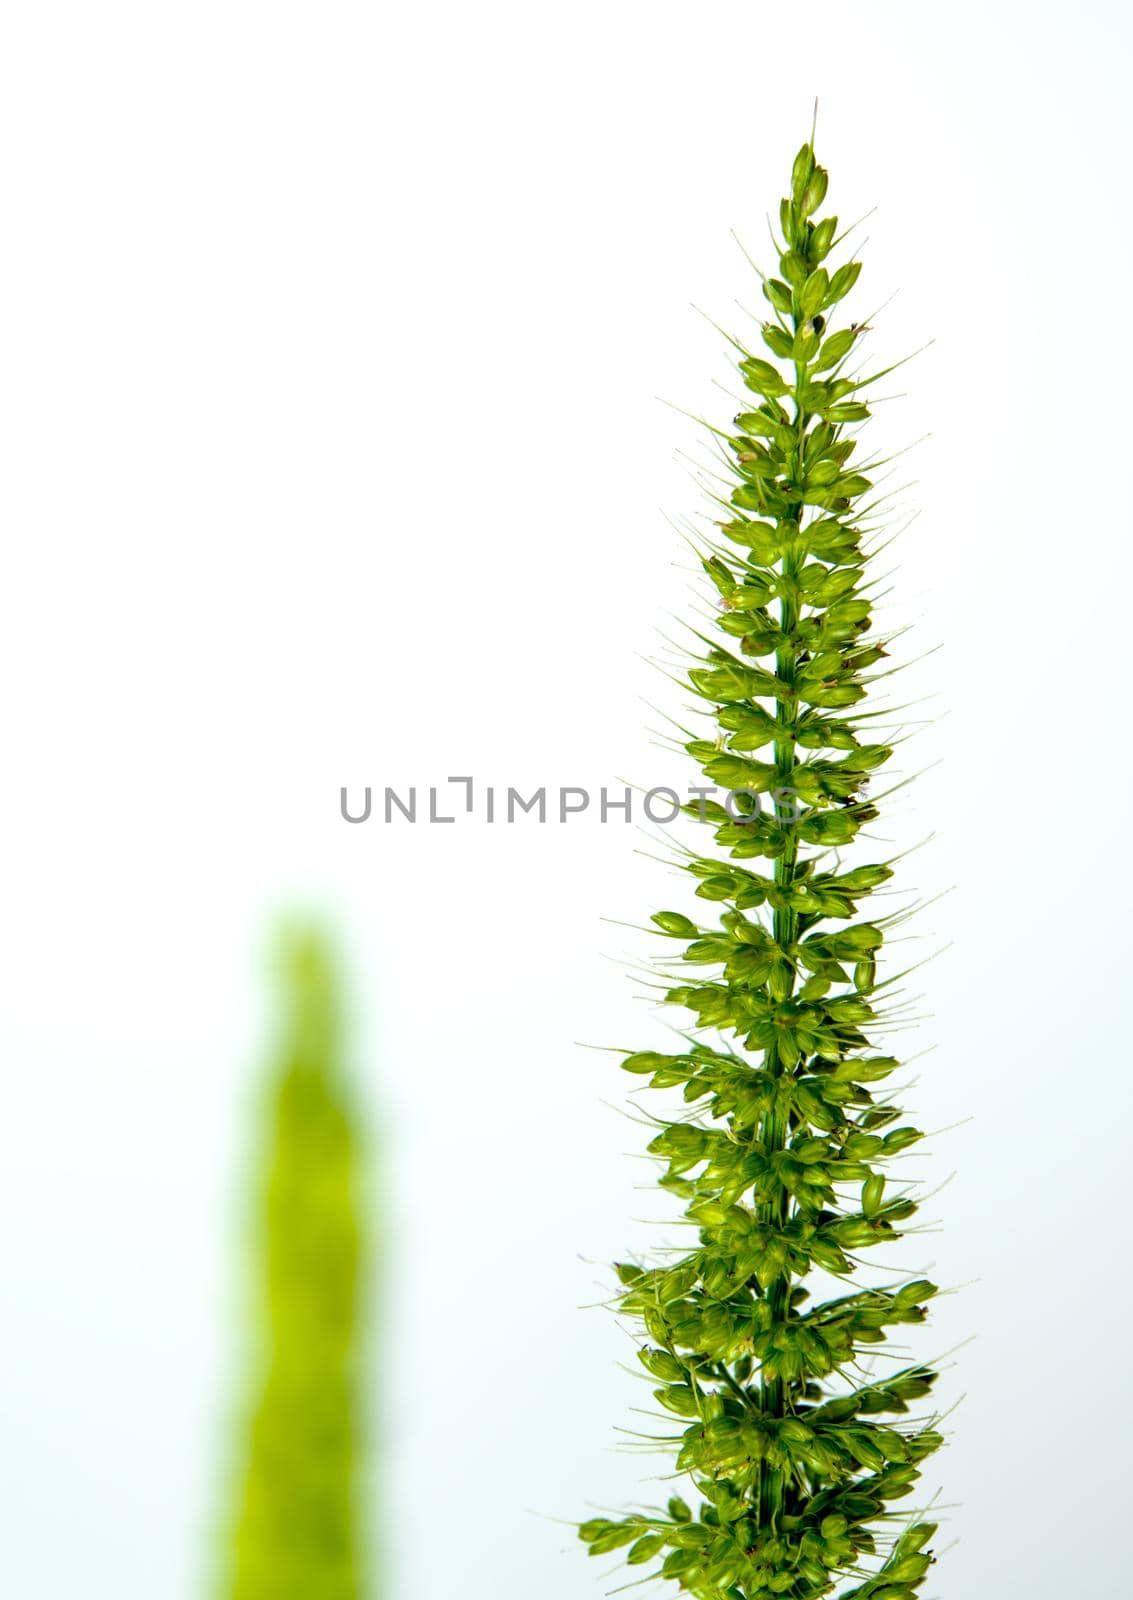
{"x": 794, "y": 1448}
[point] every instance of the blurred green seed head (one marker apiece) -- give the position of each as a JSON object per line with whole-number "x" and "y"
{"x": 297, "y": 1533}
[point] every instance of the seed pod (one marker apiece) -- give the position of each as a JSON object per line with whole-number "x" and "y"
{"x": 678, "y": 1398}
{"x": 777, "y": 340}
{"x": 910, "y": 1569}
{"x": 673, "y": 923}
{"x": 872, "y": 1190}
{"x": 762, "y": 377}
{"x": 756, "y": 424}
{"x": 645, "y": 1548}
{"x": 779, "y": 295}
{"x": 788, "y": 221}
{"x": 814, "y": 193}
{"x": 660, "y": 1364}
{"x": 793, "y": 268}
{"x": 806, "y": 341}
{"x": 823, "y": 237}
{"x": 812, "y": 295}
{"x": 607, "y": 1536}
{"x": 644, "y": 1061}
{"x": 843, "y": 281}
{"x": 916, "y": 1537}
{"x": 847, "y": 411}
{"x": 801, "y": 172}
{"x": 865, "y": 974}
{"x": 835, "y": 349}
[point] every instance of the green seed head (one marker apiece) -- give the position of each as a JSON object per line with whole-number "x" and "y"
{"x": 781, "y": 1151}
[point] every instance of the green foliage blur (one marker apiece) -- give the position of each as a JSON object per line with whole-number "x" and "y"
{"x": 298, "y": 1533}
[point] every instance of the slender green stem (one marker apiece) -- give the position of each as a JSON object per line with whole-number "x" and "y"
{"x": 774, "y": 1131}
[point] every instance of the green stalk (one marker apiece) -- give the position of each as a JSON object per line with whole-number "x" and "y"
{"x": 773, "y": 1130}
{"x": 792, "y": 1457}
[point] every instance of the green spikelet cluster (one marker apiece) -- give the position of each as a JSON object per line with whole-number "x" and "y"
{"x": 795, "y": 1442}
{"x": 297, "y": 1535}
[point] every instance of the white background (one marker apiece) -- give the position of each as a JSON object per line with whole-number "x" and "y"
{"x": 331, "y": 338}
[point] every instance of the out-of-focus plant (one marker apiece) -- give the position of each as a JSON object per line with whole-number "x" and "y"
{"x": 298, "y": 1534}
{"x": 795, "y": 1448}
